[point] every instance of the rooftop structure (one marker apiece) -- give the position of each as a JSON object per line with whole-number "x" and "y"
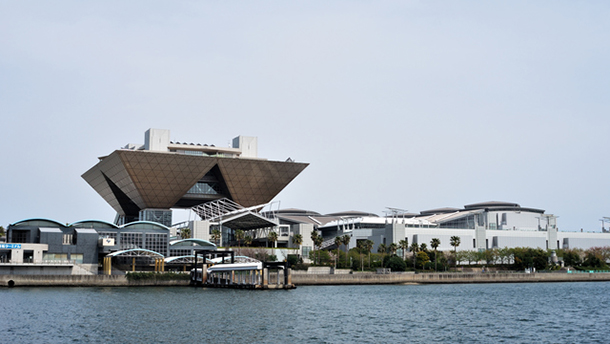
{"x": 142, "y": 182}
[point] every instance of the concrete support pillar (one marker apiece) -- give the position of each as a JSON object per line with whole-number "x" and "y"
{"x": 287, "y": 276}
{"x": 265, "y": 277}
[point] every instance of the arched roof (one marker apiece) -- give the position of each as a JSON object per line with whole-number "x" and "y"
{"x": 104, "y": 224}
{"x": 135, "y": 252}
{"x": 295, "y": 211}
{"x": 39, "y": 219}
{"x": 192, "y": 242}
{"x": 353, "y": 213}
{"x": 183, "y": 259}
{"x": 492, "y": 204}
{"x": 142, "y": 224}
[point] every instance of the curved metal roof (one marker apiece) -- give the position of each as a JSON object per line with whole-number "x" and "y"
{"x": 40, "y": 219}
{"x": 154, "y": 224}
{"x": 192, "y": 242}
{"x": 439, "y": 211}
{"x": 182, "y": 259}
{"x": 135, "y": 252}
{"x": 492, "y": 204}
{"x": 109, "y": 224}
{"x": 353, "y": 213}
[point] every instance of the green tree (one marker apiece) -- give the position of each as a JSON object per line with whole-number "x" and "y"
{"x": 273, "y": 238}
{"x": 392, "y": 248}
{"x": 216, "y": 236}
{"x": 504, "y": 255}
{"x": 594, "y": 259}
{"x": 422, "y": 259}
{"x": 435, "y": 243}
{"x": 396, "y": 263}
{"x": 526, "y": 257}
{"x": 346, "y": 239}
{"x": 2, "y": 231}
{"x": 572, "y": 257}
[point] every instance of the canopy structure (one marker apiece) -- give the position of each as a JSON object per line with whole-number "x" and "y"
{"x": 198, "y": 243}
{"x": 233, "y": 215}
{"x": 182, "y": 260}
{"x": 136, "y": 252}
{"x": 237, "y": 259}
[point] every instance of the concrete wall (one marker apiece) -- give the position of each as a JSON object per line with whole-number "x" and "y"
{"x": 398, "y": 278}
{"x": 81, "y": 281}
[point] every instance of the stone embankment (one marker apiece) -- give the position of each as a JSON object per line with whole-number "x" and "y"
{"x": 301, "y": 279}
{"x": 443, "y": 278}
{"x": 81, "y": 281}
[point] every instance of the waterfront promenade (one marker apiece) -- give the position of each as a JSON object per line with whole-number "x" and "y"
{"x": 301, "y": 279}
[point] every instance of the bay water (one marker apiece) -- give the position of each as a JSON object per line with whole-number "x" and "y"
{"x": 461, "y": 313}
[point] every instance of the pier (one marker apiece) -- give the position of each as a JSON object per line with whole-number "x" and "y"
{"x": 222, "y": 269}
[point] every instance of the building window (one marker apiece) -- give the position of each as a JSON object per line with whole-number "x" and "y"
{"x": 19, "y": 236}
{"x": 156, "y": 242}
{"x": 67, "y": 240}
{"x": 204, "y": 188}
{"x": 131, "y": 240}
{"x": 306, "y": 250}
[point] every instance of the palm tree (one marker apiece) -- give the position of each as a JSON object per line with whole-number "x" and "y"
{"x": 404, "y": 245}
{"x": 435, "y": 243}
{"x": 338, "y": 243}
{"x": 368, "y": 246}
{"x": 361, "y": 244}
{"x": 297, "y": 240}
{"x": 346, "y": 239}
{"x": 318, "y": 242}
{"x": 414, "y": 249}
{"x": 239, "y": 236}
{"x": 216, "y": 235}
{"x": 423, "y": 247}
{"x": 185, "y": 233}
{"x": 392, "y": 248}
{"x": 247, "y": 240}
{"x": 273, "y": 237}
{"x": 382, "y": 248}
{"x": 314, "y": 239}
{"x": 455, "y": 242}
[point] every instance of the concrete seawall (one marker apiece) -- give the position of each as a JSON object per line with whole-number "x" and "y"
{"x": 81, "y": 281}
{"x": 445, "y": 278}
{"x": 310, "y": 279}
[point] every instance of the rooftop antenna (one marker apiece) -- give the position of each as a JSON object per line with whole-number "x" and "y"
{"x": 603, "y": 220}
{"x": 395, "y": 213}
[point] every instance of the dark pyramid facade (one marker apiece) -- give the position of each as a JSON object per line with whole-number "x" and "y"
{"x": 135, "y": 179}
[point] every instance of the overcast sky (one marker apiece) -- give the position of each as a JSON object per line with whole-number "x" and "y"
{"x": 408, "y": 104}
